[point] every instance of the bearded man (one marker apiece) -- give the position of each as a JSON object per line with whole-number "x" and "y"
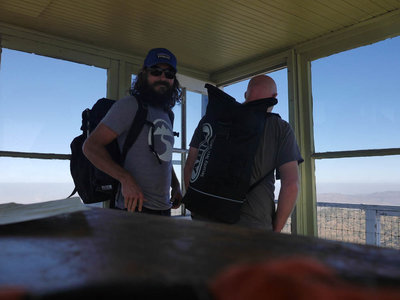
{"x": 147, "y": 173}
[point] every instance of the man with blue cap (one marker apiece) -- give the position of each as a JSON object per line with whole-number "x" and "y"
{"x": 147, "y": 173}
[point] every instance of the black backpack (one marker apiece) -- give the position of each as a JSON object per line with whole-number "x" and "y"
{"x": 92, "y": 184}
{"x": 221, "y": 175}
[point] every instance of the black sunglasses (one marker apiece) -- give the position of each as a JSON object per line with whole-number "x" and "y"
{"x": 157, "y": 71}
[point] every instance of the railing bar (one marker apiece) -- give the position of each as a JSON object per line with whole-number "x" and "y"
{"x": 36, "y": 155}
{"x": 359, "y": 206}
{"x": 356, "y": 153}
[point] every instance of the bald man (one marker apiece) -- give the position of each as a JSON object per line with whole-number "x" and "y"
{"x": 260, "y": 87}
{"x": 278, "y": 150}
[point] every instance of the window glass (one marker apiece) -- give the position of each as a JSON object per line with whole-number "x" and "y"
{"x": 24, "y": 180}
{"x": 178, "y": 125}
{"x": 356, "y": 104}
{"x": 41, "y": 101}
{"x": 193, "y": 114}
{"x": 358, "y": 200}
{"x": 41, "y": 104}
{"x": 363, "y": 180}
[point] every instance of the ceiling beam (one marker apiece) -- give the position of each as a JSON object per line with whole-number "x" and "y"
{"x": 361, "y": 34}
{"x": 21, "y": 39}
{"x": 250, "y": 68}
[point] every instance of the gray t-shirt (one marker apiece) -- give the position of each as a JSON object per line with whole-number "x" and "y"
{"x": 153, "y": 178}
{"x": 277, "y": 147}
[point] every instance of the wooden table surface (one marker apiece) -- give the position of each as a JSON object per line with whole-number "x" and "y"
{"x": 108, "y": 251}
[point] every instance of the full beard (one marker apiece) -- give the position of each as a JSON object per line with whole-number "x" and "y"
{"x": 160, "y": 97}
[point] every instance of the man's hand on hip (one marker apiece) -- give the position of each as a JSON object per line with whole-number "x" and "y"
{"x": 132, "y": 193}
{"x": 176, "y": 196}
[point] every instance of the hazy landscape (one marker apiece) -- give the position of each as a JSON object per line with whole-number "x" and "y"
{"x": 391, "y": 198}
{"x": 37, "y": 192}
{"x": 334, "y": 223}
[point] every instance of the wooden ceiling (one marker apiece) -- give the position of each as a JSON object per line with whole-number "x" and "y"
{"x": 206, "y": 36}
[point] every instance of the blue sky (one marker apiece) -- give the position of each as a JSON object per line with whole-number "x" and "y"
{"x": 356, "y": 106}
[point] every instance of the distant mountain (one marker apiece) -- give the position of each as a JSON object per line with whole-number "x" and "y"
{"x": 26, "y": 193}
{"x": 391, "y": 198}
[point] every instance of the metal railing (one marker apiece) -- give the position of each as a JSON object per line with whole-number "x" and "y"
{"x": 377, "y": 225}
{"x": 360, "y": 223}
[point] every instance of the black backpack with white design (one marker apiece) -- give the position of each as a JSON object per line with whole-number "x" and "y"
{"x": 221, "y": 174}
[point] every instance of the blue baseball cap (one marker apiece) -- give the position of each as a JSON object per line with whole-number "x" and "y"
{"x": 160, "y": 56}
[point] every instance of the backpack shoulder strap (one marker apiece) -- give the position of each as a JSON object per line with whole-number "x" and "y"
{"x": 135, "y": 129}
{"x": 171, "y": 117}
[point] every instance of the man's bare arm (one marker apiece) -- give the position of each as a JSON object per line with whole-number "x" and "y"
{"x": 176, "y": 193}
{"x": 95, "y": 150}
{"x": 288, "y": 194}
{"x": 190, "y": 160}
